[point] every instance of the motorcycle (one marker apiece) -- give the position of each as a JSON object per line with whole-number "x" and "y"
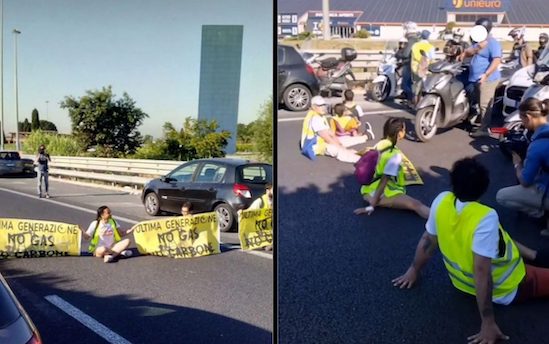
{"x": 333, "y": 73}
{"x": 444, "y": 102}
{"x": 515, "y": 87}
{"x": 387, "y": 83}
{"x": 513, "y": 129}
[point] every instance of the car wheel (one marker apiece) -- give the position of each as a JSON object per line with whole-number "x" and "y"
{"x": 152, "y": 204}
{"x": 225, "y": 217}
{"x": 297, "y": 97}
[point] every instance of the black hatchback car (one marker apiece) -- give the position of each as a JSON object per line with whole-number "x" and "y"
{"x": 221, "y": 184}
{"x": 297, "y": 82}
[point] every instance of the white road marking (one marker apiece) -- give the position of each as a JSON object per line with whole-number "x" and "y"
{"x": 125, "y": 219}
{"x": 87, "y": 320}
{"x": 380, "y": 112}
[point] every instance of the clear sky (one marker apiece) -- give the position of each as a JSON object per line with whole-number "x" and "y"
{"x": 147, "y": 48}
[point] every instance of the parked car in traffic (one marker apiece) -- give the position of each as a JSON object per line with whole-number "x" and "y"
{"x": 12, "y": 163}
{"x": 297, "y": 82}
{"x": 16, "y": 327}
{"x": 221, "y": 184}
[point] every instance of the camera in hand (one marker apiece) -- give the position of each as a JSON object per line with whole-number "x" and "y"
{"x": 515, "y": 141}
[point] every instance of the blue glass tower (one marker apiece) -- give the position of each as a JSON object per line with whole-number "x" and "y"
{"x": 220, "y": 62}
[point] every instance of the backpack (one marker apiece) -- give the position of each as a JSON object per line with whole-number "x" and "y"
{"x": 365, "y": 167}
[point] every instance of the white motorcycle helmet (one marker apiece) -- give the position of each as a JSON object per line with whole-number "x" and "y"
{"x": 457, "y": 34}
{"x": 517, "y": 33}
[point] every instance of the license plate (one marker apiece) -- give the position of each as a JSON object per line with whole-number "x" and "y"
{"x": 10, "y": 165}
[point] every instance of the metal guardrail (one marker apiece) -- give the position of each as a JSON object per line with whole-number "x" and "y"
{"x": 116, "y": 172}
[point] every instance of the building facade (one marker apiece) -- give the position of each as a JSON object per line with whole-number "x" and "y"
{"x": 220, "y": 65}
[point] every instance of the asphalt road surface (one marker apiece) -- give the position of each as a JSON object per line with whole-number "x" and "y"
{"x": 335, "y": 268}
{"x": 224, "y": 298}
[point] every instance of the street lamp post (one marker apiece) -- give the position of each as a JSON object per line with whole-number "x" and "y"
{"x": 326, "y": 19}
{"x": 17, "y": 141}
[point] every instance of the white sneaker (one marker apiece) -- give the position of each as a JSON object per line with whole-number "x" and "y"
{"x": 108, "y": 258}
{"x": 369, "y": 131}
{"x": 126, "y": 253}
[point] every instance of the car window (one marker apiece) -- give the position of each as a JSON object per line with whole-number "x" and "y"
{"x": 281, "y": 56}
{"x": 184, "y": 173}
{"x": 8, "y": 310}
{"x": 255, "y": 174}
{"x": 211, "y": 173}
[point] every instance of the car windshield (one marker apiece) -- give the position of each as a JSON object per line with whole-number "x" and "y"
{"x": 255, "y": 174}
{"x": 544, "y": 57}
{"x": 9, "y": 155}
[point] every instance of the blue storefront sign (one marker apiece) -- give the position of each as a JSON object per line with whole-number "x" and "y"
{"x": 287, "y": 24}
{"x": 477, "y": 5}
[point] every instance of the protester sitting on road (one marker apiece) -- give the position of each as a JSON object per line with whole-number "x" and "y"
{"x": 318, "y": 139}
{"x": 345, "y": 124}
{"x": 41, "y": 160}
{"x": 357, "y": 112}
{"x": 480, "y": 257}
{"x": 106, "y": 237}
{"x": 187, "y": 209}
{"x": 530, "y": 196}
{"x": 266, "y": 200}
{"x": 388, "y": 189}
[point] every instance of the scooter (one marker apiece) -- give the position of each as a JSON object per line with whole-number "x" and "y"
{"x": 444, "y": 102}
{"x": 515, "y": 87}
{"x": 387, "y": 83}
{"x": 333, "y": 73}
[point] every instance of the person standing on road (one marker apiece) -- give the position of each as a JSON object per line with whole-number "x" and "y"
{"x": 318, "y": 139}
{"x": 388, "y": 189}
{"x": 484, "y": 75}
{"x": 521, "y": 50}
{"x": 41, "y": 160}
{"x": 106, "y": 237}
{"x": 423, "y": 53}
{"x": 410, "y": 33}
{"x": 530, "y": 196}
{"x": 480, "y": 257}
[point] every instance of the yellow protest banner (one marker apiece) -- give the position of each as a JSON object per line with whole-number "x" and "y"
{"x": 21, "y": 238}
{"x": 179, "y": 237}
{"x": 411, "y": 176}
{"x": 255, "y": 228}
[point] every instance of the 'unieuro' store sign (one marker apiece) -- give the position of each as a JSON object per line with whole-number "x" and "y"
{"x": 478, "y": 5}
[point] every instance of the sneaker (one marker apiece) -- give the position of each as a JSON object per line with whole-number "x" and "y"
{"x": 126, "y": 253}
{"x": 47, "y": 195}
{"x": 108, "y": 258}
{"x": 545, "y": 233}
{"x": 39, "y": 195}
{"x": 268, "y": 248}
{"x": 369, "y": 131}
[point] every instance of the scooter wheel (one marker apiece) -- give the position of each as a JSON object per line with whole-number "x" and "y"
{"x": 381, "y": 93}
{"x": 424, "y": 131}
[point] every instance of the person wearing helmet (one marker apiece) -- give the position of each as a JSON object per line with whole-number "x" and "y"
{"x": 521, "y": 50}
{"x": 543, "y": 38}
{"x": 455, "y": 46}
{"x": 484, "y": 74}
{"x": 423, "y": 53}
{"x": 410, "y": 32}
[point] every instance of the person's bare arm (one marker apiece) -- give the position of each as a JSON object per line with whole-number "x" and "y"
{"x": 425, "y": 249}
{"x": 379, "y": 190}
{"x": 492, "y": 68}
{"x": 489, "y": 330}
{"x": 329, "y": 137}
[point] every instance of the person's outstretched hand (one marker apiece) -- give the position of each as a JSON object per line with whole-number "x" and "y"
{"x": 489, "y": 334}
{"x": 368, "y": 210}
{"x": 407, "y": 280}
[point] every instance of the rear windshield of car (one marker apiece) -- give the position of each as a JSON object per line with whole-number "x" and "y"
{"x": 8, "y": 311}
{"x": 9, "y": 156}
{"x": 255, "y": 174}
{"x": 291, "y": 57}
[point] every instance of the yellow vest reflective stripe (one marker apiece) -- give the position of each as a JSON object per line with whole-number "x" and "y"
{"x": 95, "y": 235}
{"x": 396, "y": 185}
{"x": 416, "y": 54}
{"x": 455, "y": 238}
{"x": 307, "y": 133}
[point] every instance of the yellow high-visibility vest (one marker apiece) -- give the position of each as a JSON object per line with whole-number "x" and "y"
{"x": 455, "y": 238}
{"x": 95, "y": 235}
{"x": 307, "y": 133}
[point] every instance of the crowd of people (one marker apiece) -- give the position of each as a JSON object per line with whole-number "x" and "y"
{"x": 481, "y": 258}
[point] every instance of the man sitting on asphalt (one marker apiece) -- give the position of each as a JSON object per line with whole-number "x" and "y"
{"x": 480, "y": 257}
{"x": 316, "y": 127}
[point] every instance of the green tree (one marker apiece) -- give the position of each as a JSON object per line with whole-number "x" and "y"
{"x": 35, "y": 120}
{"x": 47, "y": 125}
{"x": 98, "y": 119}
{"x": 263, "y": 132}
{"x": 25, "y": 126}
{"x": 196, "y": 139}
